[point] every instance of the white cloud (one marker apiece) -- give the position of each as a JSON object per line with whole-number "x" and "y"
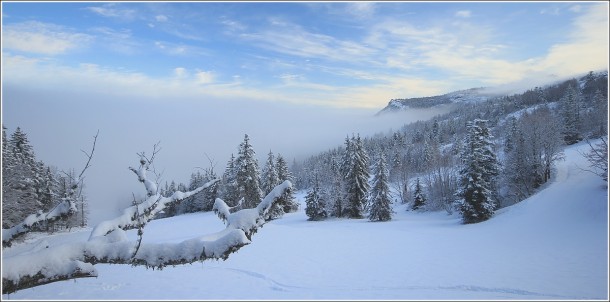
{"x": 110, "y": 11}
{"x": 587, "y": 47}
{"x": 463, "y": 53}
{"x": 180, "y": 72}
{"x": 233, "y": 25}
{"x": 291, "y": 39}
{"x": 161, "y": 18}
{"x": 117, "y": 40}
{"x": 463, "y": 14}
{"x": 204, "y": 77}
{"x": 361, "y": 9}
{"x": 42, "y": 38}
{"x": 179, "y": 49}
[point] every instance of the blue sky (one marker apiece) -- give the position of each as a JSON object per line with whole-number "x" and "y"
{"x": 354, "y": 54}
{"x": 296, "y": 77}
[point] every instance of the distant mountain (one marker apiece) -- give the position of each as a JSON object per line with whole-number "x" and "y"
{"x": 468, "y": 95}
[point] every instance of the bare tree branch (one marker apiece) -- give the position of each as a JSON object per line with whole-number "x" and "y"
{"x": 89, "y": 155}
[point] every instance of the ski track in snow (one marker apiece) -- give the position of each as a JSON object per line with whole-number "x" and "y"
{"x": 278, "y": 286}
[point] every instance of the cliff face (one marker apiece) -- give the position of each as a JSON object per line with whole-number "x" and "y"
{"x": 469, "y": 95}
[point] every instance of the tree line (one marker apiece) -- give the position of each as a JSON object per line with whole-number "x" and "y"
{"x": 242, "y": 184}
{"x": 478, "y": 158}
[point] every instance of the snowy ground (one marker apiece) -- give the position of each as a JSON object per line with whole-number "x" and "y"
{"x": 552, "y": 246}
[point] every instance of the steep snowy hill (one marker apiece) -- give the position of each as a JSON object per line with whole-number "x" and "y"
{"x": 553, "y": 245}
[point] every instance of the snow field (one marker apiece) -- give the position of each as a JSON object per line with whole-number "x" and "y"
{"x": 553, "y": 245}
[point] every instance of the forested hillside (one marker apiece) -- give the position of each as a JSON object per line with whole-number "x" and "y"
{"x": 522, "y": 134}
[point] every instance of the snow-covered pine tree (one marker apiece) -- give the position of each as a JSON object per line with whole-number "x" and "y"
{"x": 287, "y": 199}
{"x": 194, "y": 203}
{"x": 478, "y": 173}
{"x": 47, "y": 188}
{"x": 269, "y": 180}
{"x": 356, "y": 178}
{"x": 570, "y": 111}
{"x": 171, "y": 210}
{"x": 419, "y": 199}
{"x": 247, "y": 176}
{"x": 204, "y": 200}
{"x": 380, "y": 203}
{"x": 511, "y": 134}
{"x": 9, "y": 198}
{"x": 315, "y": 207}
{"x": 336, "y": 193}
{"x": 269, "y": 177}
{"x": 229, "y": 191}
{"x": 24, "y": 181}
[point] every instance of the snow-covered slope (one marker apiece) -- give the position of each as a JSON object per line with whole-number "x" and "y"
{"x": 469, "y": 95}
{"x": 553, "y": 245}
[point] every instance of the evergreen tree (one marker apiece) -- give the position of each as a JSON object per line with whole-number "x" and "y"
{"x": 248, "y": 176}
{"x": 356, "y": 178}
{"x": 269, "y": 181}
{"x": 47, "y": 188}
{"x": 269, "y": 177}
{"x": 336, "y": 195}
{"x": 194, "y": 203}
{"x": 380, "y": 204}
{"x": 571, "y": 103}
{"x": 204, "y": 200}
{"x": 9, "y": 200}
{"x": 229, "y": 192}
{"x": 287, "y": 199}
{"x": 171, "y": 210}
{"x": 315, "y": 207}
{"x": 477, "y": 176}
{"x": 419, "y": 199}
{"x": 511, "y": 134}
{"x": 24, "y": 183}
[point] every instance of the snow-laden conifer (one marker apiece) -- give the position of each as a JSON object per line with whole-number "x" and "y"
{"x": 477, "y": 175}
{"x": 247, "y": 174}
{"x": 380, "y": 202}
{"x": 315, "y": 207}
{"x": 419, "y": 199}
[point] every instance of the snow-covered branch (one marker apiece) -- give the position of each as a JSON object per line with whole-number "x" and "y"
{"x": 108, "y": 243}
{"x": 249, "y": 220}
{"x": 62, "y": 210}
{"x": 145, "y": 163}
{"x": 146, "y": 210}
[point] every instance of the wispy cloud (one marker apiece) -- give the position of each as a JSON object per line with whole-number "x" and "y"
{"x": 179, "y": 49}
{"x": 463, "y": 14}
{"x": 111, "y": 10}
{"x": 233, "y": 25}
{"x": 555, "y": 10}
{"x": 117, "y": 40}
{"x": 292, "y": 39}
{"x": 361, "y": 9}
{"x": 43, "y": 38}
{"x": 586, "y": 47}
